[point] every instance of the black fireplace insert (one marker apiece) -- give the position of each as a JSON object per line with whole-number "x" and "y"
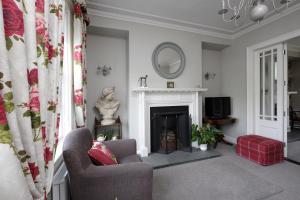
{"x": 170, "y": 129}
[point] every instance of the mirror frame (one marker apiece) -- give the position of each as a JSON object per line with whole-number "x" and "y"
{"x": 155, "y": 54}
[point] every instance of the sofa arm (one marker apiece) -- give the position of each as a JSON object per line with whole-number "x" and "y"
{"x": 122, "y": 148}
{"x": 126, "y": 182}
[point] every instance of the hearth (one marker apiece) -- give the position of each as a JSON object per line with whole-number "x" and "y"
{"x": 170, "y": 129}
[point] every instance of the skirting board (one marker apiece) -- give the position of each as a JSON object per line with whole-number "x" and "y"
{"x": 230, "y": 139}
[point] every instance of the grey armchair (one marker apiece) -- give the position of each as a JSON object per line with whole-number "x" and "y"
{"x": 129, "y": 180}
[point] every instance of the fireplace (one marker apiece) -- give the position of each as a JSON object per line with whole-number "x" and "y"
{"x": 148, "y": 98}
{"x": 170, "y": 129}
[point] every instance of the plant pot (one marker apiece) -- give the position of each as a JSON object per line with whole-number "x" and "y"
{"x": 203, "y": 147}
{"x": 195, "y": 144}
{"x": 215, "y": 145}
{"x": 212, "y": 146}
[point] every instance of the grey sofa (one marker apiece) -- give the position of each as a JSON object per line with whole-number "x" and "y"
{"x": 129, "y": 180}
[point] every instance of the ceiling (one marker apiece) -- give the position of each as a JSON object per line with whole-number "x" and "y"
{"x": 193, "y": 14}
{"x": 294, "y": 42}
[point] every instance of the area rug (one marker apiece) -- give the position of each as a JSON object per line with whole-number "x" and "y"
{"x": 159, "y": 160}
{"x": 213, "y": 179}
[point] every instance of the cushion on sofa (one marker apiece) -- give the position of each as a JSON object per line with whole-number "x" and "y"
{"x": 100, "y": 154}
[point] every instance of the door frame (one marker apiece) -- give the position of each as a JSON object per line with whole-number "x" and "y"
{"x": 251, "y": 79}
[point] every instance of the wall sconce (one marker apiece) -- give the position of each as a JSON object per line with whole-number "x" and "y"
{"x": 104, "y": 70}
{"x": 209, "y": 76}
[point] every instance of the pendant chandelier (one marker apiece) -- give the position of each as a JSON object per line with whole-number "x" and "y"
{"x": 256, "y": 9}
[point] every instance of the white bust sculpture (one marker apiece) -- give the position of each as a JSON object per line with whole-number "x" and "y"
{"x": 107, "y": 105}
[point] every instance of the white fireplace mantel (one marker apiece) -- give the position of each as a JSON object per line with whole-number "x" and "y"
{"x": 158, "y": 97}
{"x": 146, "y": 89}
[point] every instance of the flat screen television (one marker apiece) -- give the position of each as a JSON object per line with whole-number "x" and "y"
{"x": 217, "y": 107}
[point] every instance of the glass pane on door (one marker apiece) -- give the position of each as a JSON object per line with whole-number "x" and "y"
{"x": 268, "y": 84}
{"x": 261, "y": 101}
{"x": 275, "y": 86}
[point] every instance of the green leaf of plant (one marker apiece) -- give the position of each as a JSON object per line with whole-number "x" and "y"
{"x": 9, "y": 106}
{"x": 8, "y": 84}
{"x": 1, "y": 75}
{"x": 27, "y": 113}
{"x": 9, "y": 43}
{"x": 1, "y": 86}
{"x": 194, "y": 138}
{"x": 22, "y": 40}
{"x": 8, "y": 96}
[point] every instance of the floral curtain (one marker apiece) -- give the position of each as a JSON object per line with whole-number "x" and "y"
{"x": 31, "y": 51}
{"x": 79, "y": 57}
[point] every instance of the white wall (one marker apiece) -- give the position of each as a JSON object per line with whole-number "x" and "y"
{"x": 234, "y": 82}
{"x": 212, "y": 64}
{"x": 143, "y": 39}
{"x": 109, "y": 51}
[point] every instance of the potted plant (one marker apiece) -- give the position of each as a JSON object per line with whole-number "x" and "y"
{"x": 209, "y": 136}
{"x": 196, "y": 136}
{"x": 206, "y": 138}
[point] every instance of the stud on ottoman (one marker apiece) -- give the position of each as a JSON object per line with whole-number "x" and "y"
{"x": 262, "y": 150}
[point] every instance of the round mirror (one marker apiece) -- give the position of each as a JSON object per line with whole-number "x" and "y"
{"x": 168, "y": 60}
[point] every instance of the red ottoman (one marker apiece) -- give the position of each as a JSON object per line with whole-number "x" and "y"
{"x": 259, "y": 149}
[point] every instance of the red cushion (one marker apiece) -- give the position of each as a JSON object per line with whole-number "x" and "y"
{"x": 100, "y": 154}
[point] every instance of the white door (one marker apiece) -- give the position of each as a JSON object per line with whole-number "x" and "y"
{"x": 269, "y": 96}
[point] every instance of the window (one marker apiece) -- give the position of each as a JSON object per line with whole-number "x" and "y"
{"x": 67, "y": 121}
{"x": 268, "y": 85}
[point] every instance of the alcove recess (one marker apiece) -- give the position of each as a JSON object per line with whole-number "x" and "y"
{"x": 212, "y": 69}
{"x": 108, "y": 47}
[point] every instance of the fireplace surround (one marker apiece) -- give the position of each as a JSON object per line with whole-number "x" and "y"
{"x": 148, "y": 98}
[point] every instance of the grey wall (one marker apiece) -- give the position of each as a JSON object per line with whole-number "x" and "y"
{"x": 211, "y": 63}
{"x": 143, "y": 39}
{"x": 234, "y": 58}
{"x": 112, "y": 52}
